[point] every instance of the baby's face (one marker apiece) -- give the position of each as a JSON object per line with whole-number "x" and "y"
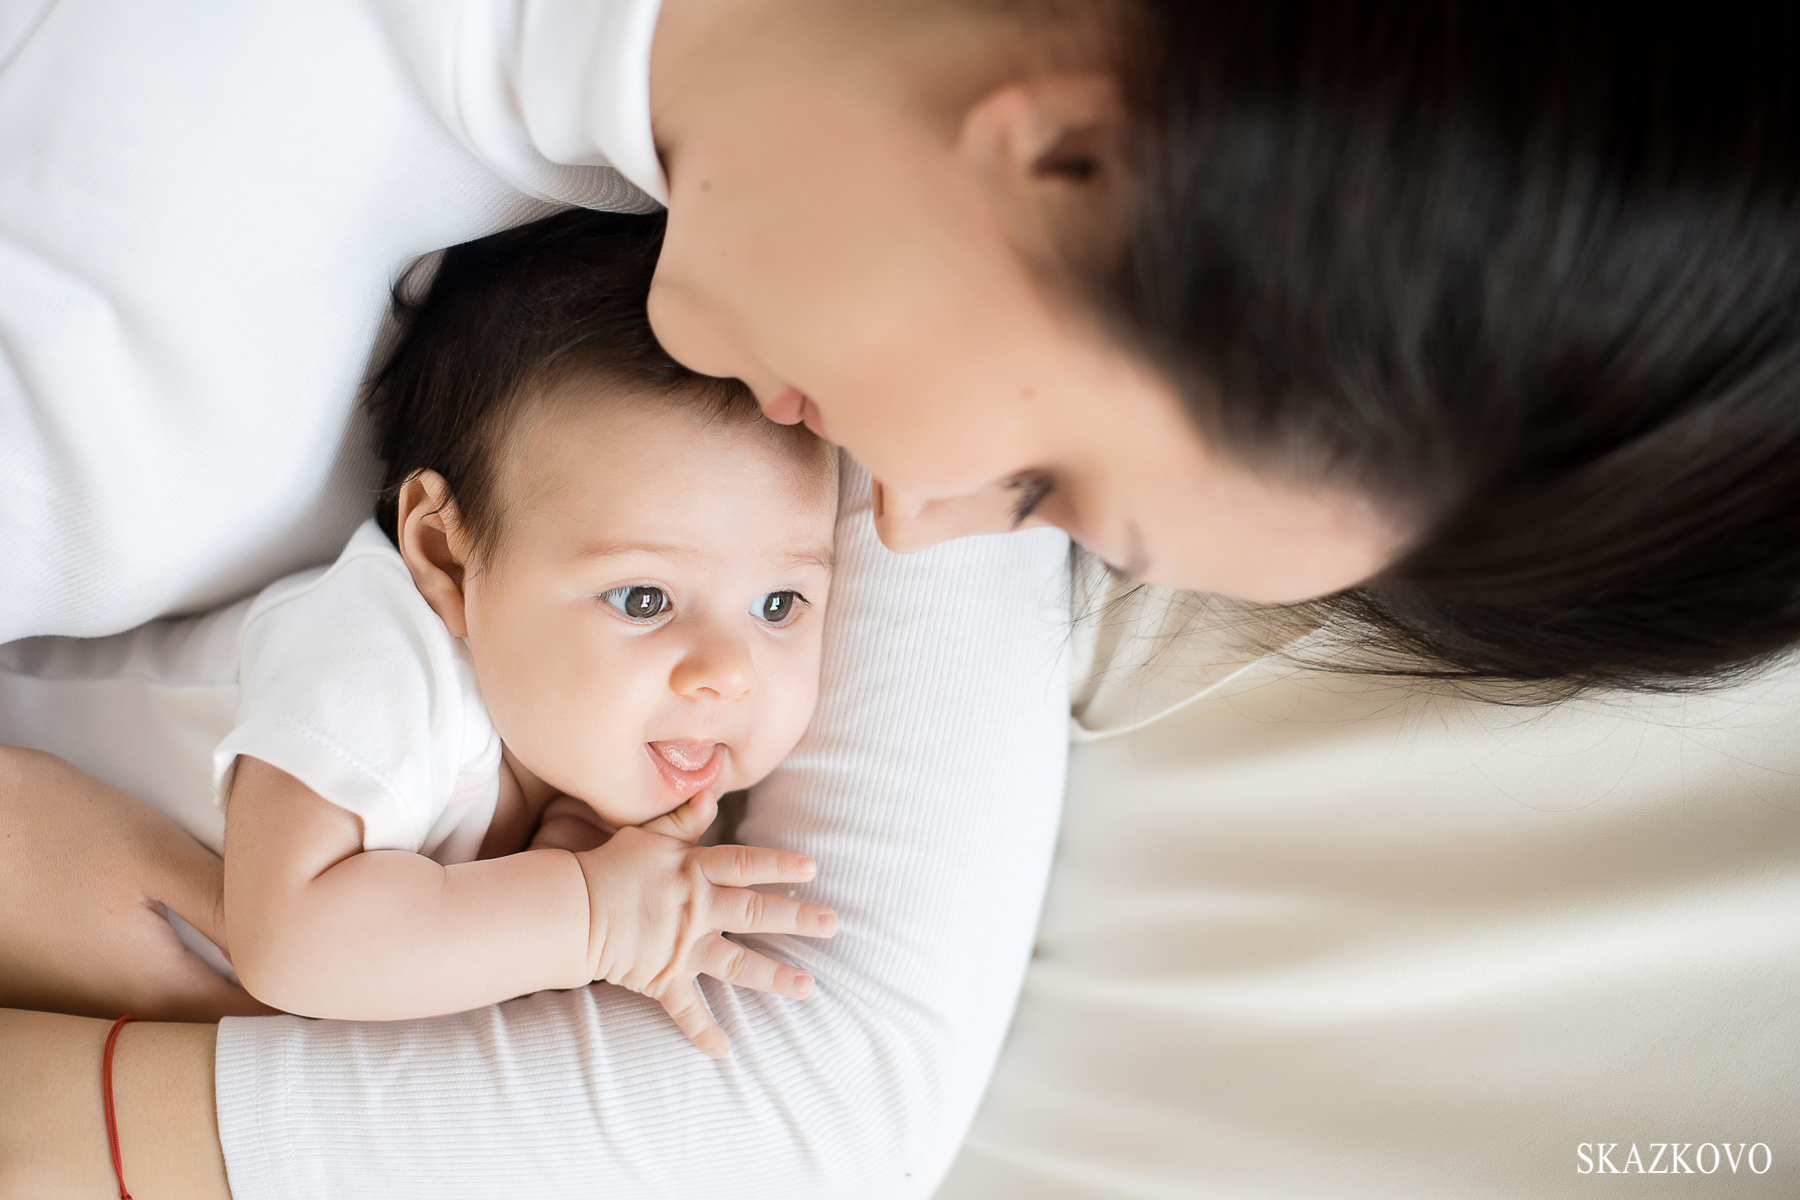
{"x": 648, "y": 625}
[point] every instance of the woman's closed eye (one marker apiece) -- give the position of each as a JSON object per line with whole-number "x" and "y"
{"x": 639, "y": 602}
{"x": 779, "y": 608}
{"x": 1033, "y": 488}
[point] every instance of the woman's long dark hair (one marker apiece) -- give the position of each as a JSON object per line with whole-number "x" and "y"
{"x": 1528, "y": 273}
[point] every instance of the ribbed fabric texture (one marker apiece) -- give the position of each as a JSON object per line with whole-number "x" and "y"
{"x": 928, "y": 789}
{"x": 202, "y": 207}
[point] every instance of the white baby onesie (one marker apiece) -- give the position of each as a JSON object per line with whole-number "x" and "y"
{"x": 341, "y": 676}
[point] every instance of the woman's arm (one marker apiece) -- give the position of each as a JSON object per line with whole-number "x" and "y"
{"x": 52, "y": 1125}
{"x": 928, "y": 791}
{"x": 85, "y": 871}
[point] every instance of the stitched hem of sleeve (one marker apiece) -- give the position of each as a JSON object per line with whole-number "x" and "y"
{"x": 391, "y": 822}
{"x": 253, "y": 1128}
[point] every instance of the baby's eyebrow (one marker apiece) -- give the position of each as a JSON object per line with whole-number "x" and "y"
{"x": 822, "y": 557}
{"x": 660, "y": 549}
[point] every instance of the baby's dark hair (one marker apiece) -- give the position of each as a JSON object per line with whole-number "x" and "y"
{"x": 507, "y": 320}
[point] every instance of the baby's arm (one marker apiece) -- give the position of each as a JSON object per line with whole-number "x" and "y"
{"x": 320, "y": 927}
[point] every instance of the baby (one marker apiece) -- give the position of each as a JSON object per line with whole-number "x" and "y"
{"x": 590, "y": 603}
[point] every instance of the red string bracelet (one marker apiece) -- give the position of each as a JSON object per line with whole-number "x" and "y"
{"x": 112, "y": 1123}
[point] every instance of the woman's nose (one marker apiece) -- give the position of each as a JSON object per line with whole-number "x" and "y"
{"x": 719, "y": 665}
{"x": 907, "y": 523}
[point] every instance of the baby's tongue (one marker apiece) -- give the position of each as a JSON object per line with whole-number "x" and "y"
{"x": 686, "y": 756}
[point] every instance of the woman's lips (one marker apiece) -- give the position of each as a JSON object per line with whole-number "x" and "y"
{"x": 813, "y": 419}
{"x": 690, "y": 767}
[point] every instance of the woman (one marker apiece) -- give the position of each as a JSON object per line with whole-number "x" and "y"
{"x": 1489, "y": 312}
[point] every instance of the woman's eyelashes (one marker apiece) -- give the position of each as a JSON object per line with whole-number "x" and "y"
{"x": 1033, "y": 488}
{"x": 637, "y": 602}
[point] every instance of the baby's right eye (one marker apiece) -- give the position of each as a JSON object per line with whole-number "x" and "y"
{"x": 638, "y": 602}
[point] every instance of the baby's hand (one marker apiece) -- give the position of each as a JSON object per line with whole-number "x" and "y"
{"x": 568, "y": 824}
{"x": 658, "y": 905}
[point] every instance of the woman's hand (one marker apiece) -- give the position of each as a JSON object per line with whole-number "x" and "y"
{"x": 658, "y": 906}
{"x": 83, "y": 869}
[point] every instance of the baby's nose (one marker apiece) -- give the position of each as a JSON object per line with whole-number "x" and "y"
{"x": 720, "y": 667}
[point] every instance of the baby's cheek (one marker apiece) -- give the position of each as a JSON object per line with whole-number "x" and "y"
{"x": 796, "y": 715}
{"x": 512, "y": 708}
{"x": 806, "y": 701}
{"x": 558, "y": 729}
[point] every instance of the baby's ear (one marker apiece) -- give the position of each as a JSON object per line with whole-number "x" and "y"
{"x": 434, "y": 546}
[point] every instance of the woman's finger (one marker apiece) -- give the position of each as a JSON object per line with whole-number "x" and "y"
{"x": 746, "y": 866}
{"x": 689, "y": 1012}
{"x": 737, "y": 910}
{"x": 741, "y": 966}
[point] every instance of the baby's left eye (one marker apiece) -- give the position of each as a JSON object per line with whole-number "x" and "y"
{"x": 778, "y": 608}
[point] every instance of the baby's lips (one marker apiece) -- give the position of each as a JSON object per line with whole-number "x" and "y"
{"x": 689, "y": 767}
{"x": 687, "y": 756}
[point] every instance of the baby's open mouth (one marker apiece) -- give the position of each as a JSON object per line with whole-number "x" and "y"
{"x": 686, "y": 756}
{"x": 689, "y": 767}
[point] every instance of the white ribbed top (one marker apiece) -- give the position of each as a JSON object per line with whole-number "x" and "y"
{"x": 928, "y": 790}
{"x": 202, "y": 207}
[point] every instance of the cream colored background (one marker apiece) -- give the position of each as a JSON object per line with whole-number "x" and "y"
{"x": 1321, "y": 936}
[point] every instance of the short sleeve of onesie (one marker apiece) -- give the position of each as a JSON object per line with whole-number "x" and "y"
{"x": 352, "y": 684}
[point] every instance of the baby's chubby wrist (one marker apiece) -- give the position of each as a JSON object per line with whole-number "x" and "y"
{"x": 636, "y": 890}
{"x": 598, "y": 881}
{"x": 658, "y": 907}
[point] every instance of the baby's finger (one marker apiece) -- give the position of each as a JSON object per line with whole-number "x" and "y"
{"x": 689, "y": 821}
{"x": 743, "y": 967}
{"x": 689, "y": 1012}
{"x": 745, "y": 866}
{"x": 738, "y": 910}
